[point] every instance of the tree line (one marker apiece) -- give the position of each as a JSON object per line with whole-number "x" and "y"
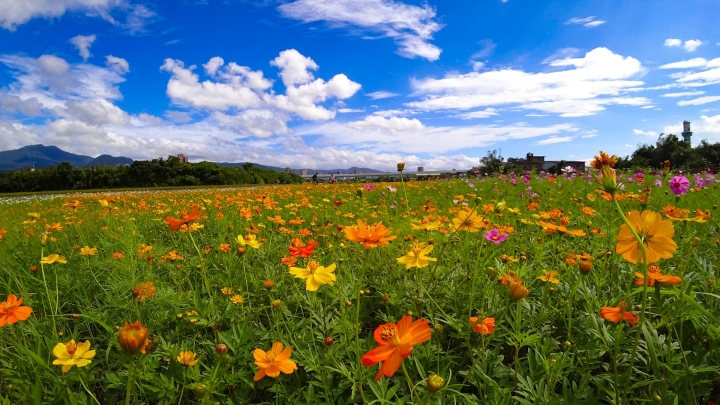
{"x": 159, "y": 172}
{"x": 682, "y": 156}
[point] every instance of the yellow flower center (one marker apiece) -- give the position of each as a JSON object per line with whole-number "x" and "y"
{"x": 312, "y": 266}
{"x": 7, "y": 305}
{"x": 388, "y": 333}
{"x": 270, "y": 356}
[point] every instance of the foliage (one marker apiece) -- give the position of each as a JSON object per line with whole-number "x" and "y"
{"x": 221, "y": 288}
{"x": 141, "y": 173}
{"x": 682, "y": 155}
{"x": 492, "y": 162}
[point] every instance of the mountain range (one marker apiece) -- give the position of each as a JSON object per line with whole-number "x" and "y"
{"x": 40, "y": 156}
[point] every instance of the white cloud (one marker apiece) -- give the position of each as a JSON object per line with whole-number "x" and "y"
{"x": 672, "y": 42}
{"x": 488, "y": 112}
{"x": 350, "y": 110}
{"x": 178, "y": 116}
{"x": 487, "y": 47}
{"x": 83, "y": 43}
{"x": 692, "y": 44}
{"x": 294, "y": 67}
{"x": 587, "y": 22}
{"x": 554, "y": 139}
{"x": 13, "y": 104}
{"x": 645, "y": 133}
{"x": 599, "y": 78}
{"x": 477, "y": 66}
{"x": 435, "y": 139}
{"x": 14, "y": 13}
{"x": 699, "y": 101}
{"x": 393, "y": 124}
{"x": 686, "y": 64}
{"x": 119, "y": 65}
{"x": 377, "y": 95}
{"x": 137, "y": 18}
{"x": 411, "y": 27}
{"x": 684, "y": 94}
{"x": 707, "y": 127}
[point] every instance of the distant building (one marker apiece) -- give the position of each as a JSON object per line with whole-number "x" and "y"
{"x": 421, "y": 169}
{"x": 183, "y": 158}
{"x": 289, "y": 170}
{"x": 303, "y": 172}
{"x": 539, "y": 163}
{"x": 687, "y": 134}
{"x": 356, "y": 171}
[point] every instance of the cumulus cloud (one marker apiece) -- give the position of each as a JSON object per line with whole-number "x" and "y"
{"x": 83, "y": 43}
{"x": 412, "y": 27}
{"x": 599, "y": 78}
{"x": 587, "y": 22}
{"x": 241, "y": 98}
{"x": 393, "y": 124}
{"x": 690, "y": 45}
{"x": 707, "y": 127}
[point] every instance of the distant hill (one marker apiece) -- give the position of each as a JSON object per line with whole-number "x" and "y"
{"x": 39, "y": 156}
{"x": 45, "y": 156}
{"x": 107, "y": 160}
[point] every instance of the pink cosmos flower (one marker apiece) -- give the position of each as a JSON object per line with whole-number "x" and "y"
{"x": 369, "y": 187}
{"x": 679, "y": 184}
{"x": 495, "y": 236}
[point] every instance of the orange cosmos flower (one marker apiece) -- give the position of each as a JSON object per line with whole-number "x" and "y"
{"x": 396, "y": 342}
{"x": 12, "y": 311}
{"x": 371, "y": 236}
{"x": 289, "y": 260}
{"x": 518, "y": 291}
{"x": 224, "y": 247}
{"x": 144, "y": 291}
{"x": 272, "y": 362}
{"x": 616, "y": 314}
{"x": 655, "y": 275}
{"x": 655, "y": 232}
{"x": 301, "y": 249}
{"x": 117, "y": 255}
{"x": 484, "y": 326}
{"x": 132, "y": 337}
{"x": 550, "y": 228}
{"x": 175, "y": 224}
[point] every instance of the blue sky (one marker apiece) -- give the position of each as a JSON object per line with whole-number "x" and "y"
{"x": 340, "y": 83}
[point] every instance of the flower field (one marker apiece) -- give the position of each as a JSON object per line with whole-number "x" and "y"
{"x": 526, "y": 288}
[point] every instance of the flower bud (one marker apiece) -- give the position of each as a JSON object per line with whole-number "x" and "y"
{"x": 435, "y": 383}
{"x": 329, "y": 341}
{"x": 268, "y": 283}
{"x": 276, "y": 304}
{"x": 132, "y": 337}
{"x": 518, "y": 291}
{"x": 221, "y": 349}
{"x": 401, "y": 166}
{"x": 585, "y": 266}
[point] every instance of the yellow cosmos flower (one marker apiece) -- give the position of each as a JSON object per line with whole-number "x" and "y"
{"x": 70, "y": 354}
{"x": 417, "y": 256}
{"x": 549, "y": 277}
{"x": 53, "y": 258}
{"x": 249, "y": 240}
{"x": 655, "y": 233}
{"x": 33, "y": 215}
{"x": 187, "y": 359}
{"x": 88, "y": 251}
{"x": 315, "y": 275}
{"x": 467, "y": 221}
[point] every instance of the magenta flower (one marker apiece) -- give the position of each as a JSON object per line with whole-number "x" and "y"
{"x": 338, "y": 203}
{"x": 679, "y": 185}
{"x": 369, "y": 187}
{"x": 495, "y": 236}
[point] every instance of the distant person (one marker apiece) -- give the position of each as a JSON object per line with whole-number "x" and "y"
{"x": 332, "y": 179}
{"x": 314, "y": 178}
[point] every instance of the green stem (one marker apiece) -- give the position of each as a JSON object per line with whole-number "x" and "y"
{"x": 641, "y": 319}
{"x": 409, "y": 381}
{"x": 128, "y": 387}
{"x": 88, "y": 391}
{"x": 357, "y": 334}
